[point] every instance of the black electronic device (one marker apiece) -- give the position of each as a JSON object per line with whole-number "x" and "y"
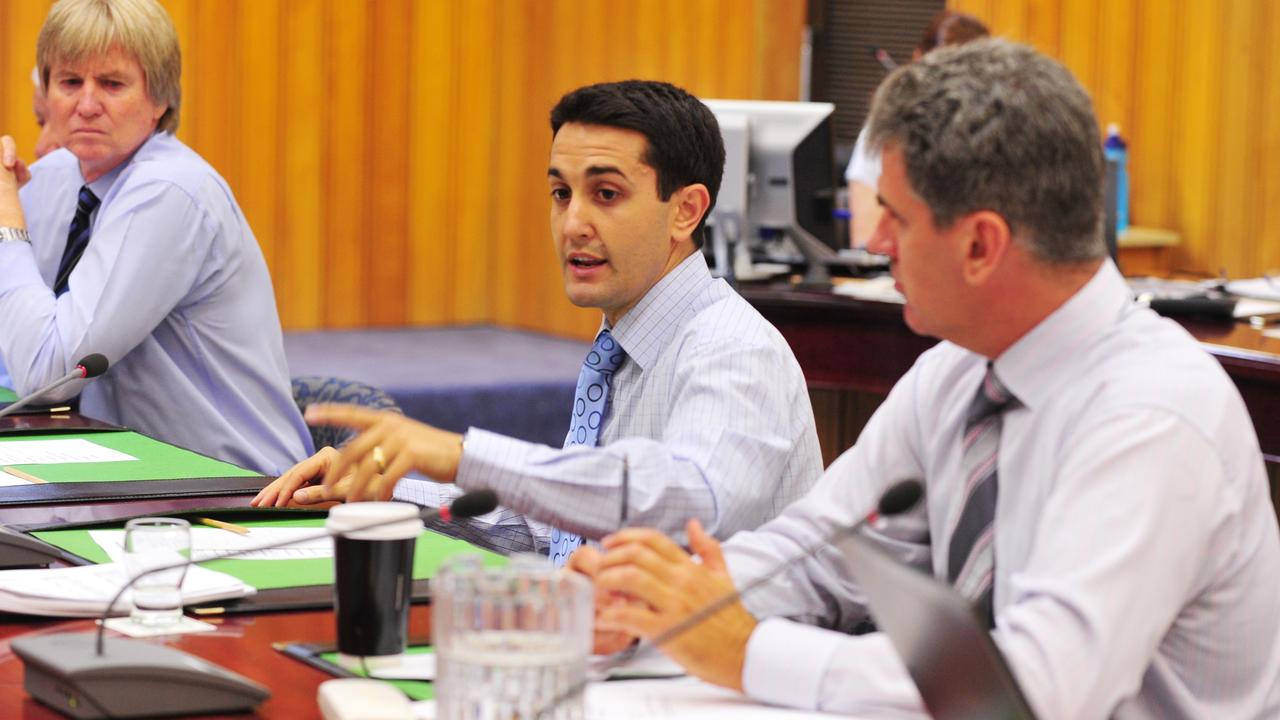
{"x": 950, "y": 656}
{"x": 18, "y": 549}
{"x": 129, "y": 679}
{"x": 781, "y": 200}
{"x": 80, "y": 674}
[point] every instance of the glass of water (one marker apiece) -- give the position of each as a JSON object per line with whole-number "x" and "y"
{"x": 510, "y": 642}
{"x": 152, "y": 543}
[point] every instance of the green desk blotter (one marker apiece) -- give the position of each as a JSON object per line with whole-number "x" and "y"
{"x": 7, "y": 395}
{"x": 431, "y": 550}
{"x": 155, "y": 461}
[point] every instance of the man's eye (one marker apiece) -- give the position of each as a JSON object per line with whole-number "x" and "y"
{"x": 560, "y": 194}
{"x": 606, "y": 194}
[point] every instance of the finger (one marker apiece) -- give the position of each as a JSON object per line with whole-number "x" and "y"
{"x": 636, "y": 583}
{"x": 648, "y": 537}
{"x": 357, "y": 450}
{"x": 706, "y": 547}
{"x": 295, "y": 477}
{"x": 8, "y": 152}
{"x": 361, "y": 474}
{"x": 321, "y": 493}
{"x": 22, "y": 173}
{"x": 352, "y": 416}
{"x": 630, "y": 619}
{"x": 585, "y": 561}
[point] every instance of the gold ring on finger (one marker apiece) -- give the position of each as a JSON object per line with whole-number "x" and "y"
{"x": 379, "y": 459}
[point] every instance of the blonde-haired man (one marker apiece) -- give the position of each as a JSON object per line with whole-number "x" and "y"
{"x": 137, "y": 250}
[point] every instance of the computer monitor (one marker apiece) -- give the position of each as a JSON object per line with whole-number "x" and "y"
{"x": 788, "y": 181}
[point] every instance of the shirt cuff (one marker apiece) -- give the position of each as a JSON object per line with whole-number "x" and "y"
{"x": 487, "y": 460}
{"x": 20, "y": 269}
{"x": 786, "y": 662}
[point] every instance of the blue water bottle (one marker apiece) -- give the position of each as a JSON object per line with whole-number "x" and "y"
{"x": 1117, "y": 152}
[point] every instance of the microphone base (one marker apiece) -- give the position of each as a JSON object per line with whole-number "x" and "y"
{"x": 131, "y": 679}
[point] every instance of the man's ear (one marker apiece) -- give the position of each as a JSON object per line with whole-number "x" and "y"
{"x": 688, "y": 206}
{"x": 988, "y": 238}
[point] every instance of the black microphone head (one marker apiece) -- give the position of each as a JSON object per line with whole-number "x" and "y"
{"x": 94, "y": 364}
{"x": 900, "y": 498}
{"x": 476, "y": 502}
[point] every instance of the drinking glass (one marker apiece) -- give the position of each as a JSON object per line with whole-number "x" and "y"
{"x": 152, "y": 543}
{"x": 510, "y": 642}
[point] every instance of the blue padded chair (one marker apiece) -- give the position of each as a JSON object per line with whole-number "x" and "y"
{"x": 315, "y": 389}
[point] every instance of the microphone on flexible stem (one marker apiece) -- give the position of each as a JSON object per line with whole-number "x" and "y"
{"x": 898, "y": 499}
{"x": 883, "y": 57}
{"x": 137, "y": 679}
{"x": 90, "y": 366}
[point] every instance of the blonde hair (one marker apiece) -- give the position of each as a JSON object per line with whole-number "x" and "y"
{"x": 76, "y": 30}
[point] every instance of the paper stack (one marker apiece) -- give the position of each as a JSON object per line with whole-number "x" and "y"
{"x": 84, "y": 591}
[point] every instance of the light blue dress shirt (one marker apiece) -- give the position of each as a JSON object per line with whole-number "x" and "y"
{"x": 710, "y": 412}
{"x": 172, "y": 289}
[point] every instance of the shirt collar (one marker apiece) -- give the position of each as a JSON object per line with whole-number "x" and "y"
{"x": 102, "y": 185}
{"x": 649, "y": 326}
{"x": 1033, "y": 366}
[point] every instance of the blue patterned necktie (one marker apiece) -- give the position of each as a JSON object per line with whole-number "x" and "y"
{"x": 77, "y": 238}
{"x": 590, "y": 406}
{"x": 971, "y": 557}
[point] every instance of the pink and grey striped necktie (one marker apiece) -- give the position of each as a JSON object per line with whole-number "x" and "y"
{"x": 971, "y": 558}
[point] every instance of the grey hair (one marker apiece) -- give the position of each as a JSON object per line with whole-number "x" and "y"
{"x": 994, "y": 125}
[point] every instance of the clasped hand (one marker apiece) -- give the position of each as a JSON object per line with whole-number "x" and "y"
{"x": 388, "y": 447}
{"x": 646, "y": 584}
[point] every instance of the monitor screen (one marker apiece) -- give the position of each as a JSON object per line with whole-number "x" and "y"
{"x": 788, "y": 181}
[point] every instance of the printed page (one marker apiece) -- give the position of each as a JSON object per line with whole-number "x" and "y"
{"x": 57, "y": 452}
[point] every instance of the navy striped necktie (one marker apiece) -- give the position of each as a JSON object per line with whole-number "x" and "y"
{"x": 971, "y": 560}
{"x": 77, "y": 238}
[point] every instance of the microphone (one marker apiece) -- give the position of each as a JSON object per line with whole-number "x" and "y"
{"x": 898, "y": 499}
{"x": 90, "y": 366}
{"x": 140, "y": 679}
{"x": 883, "y": 57}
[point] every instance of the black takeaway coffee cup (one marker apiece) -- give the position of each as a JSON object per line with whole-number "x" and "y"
{"x": 373, "y": 568}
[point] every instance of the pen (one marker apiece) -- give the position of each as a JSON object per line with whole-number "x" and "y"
{"x": 230, "y": 527}
{"x": 23, "y": 475}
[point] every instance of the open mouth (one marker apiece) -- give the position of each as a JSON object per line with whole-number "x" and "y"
{"x": 586, "y": 262}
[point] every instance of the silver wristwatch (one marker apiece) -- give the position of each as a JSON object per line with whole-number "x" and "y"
{"x": 13, "y": 234}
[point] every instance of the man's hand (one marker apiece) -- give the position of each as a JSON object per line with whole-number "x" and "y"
{"x": 647, "y": 566}
{"x": 388, "y": 446}
{"x": 586, "y": 560}
{"x": 13, "y": 175}
{"x": 296, "y": 486}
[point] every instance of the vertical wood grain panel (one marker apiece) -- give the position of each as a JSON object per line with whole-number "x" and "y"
{"x": 347, "y": 91}
{"x": 431, "y": 220}
{"x": 258, "y": 123}
{"x": 476, "y": 134}
{"x": 390, "y": 155}
{"x": 21, "y": 24}
{"x": 1269, "y": 146}
{"x": 386, "y": 239}
{"x": 1194, "y": 85}
{"x": 299, "y": 289}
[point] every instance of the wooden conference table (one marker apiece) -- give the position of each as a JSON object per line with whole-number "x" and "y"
{"x": 844, "y": 343}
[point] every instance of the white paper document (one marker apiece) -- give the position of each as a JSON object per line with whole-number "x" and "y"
{"x": 1263, "y": 288}
{"x": 7, "y": 480}
{"x": 677, "y": 699}
{"x": 880, "y": 289}
{"x": 84, "y": 591}
{"x": 212, "y": 543}
{"x": 57, "y": 452}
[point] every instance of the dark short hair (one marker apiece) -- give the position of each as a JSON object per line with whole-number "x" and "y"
{"x": 684, "y": 143}
{"x": 994, "y": 125}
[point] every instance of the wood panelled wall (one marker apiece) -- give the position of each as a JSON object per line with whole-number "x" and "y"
{"x": 1196, "y": 88}
{"x": 391, "y": 154}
